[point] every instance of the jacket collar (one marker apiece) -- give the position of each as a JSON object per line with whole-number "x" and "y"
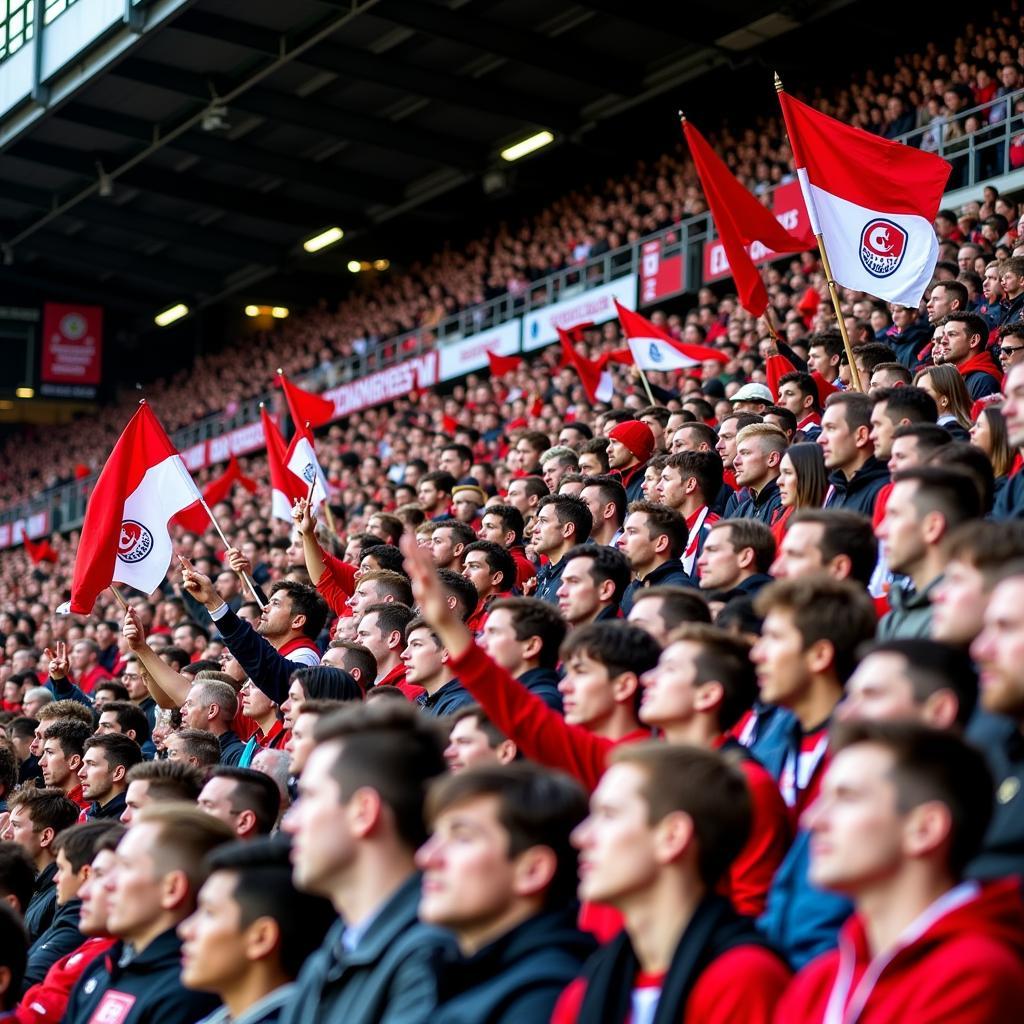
{"x": 396, "y": 914}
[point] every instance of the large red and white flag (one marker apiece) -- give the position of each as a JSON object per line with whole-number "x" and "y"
{"x": 873, "y": 202}
{"x": 741, "y": 220}
{"x": 301, "y": 461}
{"x": 125, "y": 537}
{"x": 655, "y": 349}
{"x": 285, "y": 486}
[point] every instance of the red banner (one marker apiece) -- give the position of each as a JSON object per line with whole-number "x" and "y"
{"x": 790, "y": 211}
{"x": 660, "y": 276}
{"x": 72, "y": 344}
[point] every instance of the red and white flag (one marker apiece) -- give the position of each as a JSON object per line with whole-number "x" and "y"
{"x": 655, "y": 349}
{"x": 593, "y": 373}
{"x": 125, "y": 537}
{"x": 301, "y": 461}
{"x": 873, "y": 202}
{"x": 305, "y": 406}
{"x": 285, "y": 486}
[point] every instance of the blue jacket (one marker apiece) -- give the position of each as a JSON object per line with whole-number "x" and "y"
{"x": 61, "y": 938}
{"x": 142, "y": 989}
{"x": 549, "y": 579}
{"x": 544, "y": 683}
{"x": 445, "y": 701}
{"x": 518, "y": 978}
{"x": 41, "y": 908}
{"x": 669, "y": 573}
{"x": 1009, "y": 502}
{"x": 268, "y": 669}
{"x": 763, "y": 506}
{"x": 389, "y": 978}
{"x": 800, "y": 920}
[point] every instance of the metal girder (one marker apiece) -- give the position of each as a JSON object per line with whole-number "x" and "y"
{"x": 171, "y": 278}
{"x": 555, "y": 56}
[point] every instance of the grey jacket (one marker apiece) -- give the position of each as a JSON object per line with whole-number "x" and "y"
{"x": 910, "y": 615}
{"x": 389, "y": 978}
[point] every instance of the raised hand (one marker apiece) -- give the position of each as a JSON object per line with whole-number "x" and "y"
{"x": 427, "y": 590}
{"x": 132, "y": 630}
{"x": 304, "y": 517}
{"x": 59, "y": 663}
{"x": 199, "y": 586}
{"x": 237, "y": 562}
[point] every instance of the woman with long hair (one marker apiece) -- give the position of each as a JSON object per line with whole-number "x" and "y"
{"x": 947, "y": 387}
{"x": 989, "y": 434}
{"x": 803, "y": 481}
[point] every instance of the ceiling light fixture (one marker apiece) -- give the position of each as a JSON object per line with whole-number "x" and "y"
{"x": 170, "y": 315}
{"x": 324, "y": 239}
{"x": 527, "y": 146}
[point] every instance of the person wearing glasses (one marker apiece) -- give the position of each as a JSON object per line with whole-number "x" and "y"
{"x": 1011, "y": 337}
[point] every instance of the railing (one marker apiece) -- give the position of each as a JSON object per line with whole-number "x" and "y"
{"x": 18, "y": 22}
{"x": 65, "y": 504}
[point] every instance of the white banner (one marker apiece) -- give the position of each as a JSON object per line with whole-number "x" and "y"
{"x": 469, "y": 354}
{"x": 593, "y": 306}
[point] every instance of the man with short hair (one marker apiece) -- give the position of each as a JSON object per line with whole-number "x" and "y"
{"x": 381, "y": 630}
{"x": 894, "y": 408}
{"x": 61, "y": 757}
{"x": 500, "y": 873}
{"x": 824, "y": 351}
{"x": 427, "y": 664}
{"x": 736, "y": 558}
{"x": 86, "y": 670}
{"x": 434, "y": 493}
{"x": 160, "y": 782}
{"x": 524, "y": 494}
{"x": 799, "y": 394}
{"x": 211, "y": 707}
{"x": 159, "y": 869}
{"x": 925, "y": 504}
{"x": 1011, "y": 281}
{"x": 660, "y": 610}
{"x": 593, "y": 456}
{"x": 691, "y": 482}
{"x": 448, "y": 541}
{"x": 532, "y": 444}
{"x": 946, "y": 297}
{"x": 524, "y": 635}
{"x": 912, "y": 680}
{"x": 593, "y": 582}
{"x": 759, "y": 450}
{"x": 503, "y": 524}
{"x": 913, "y": 444}
{"x": 834, "y": 541}
{"x": 966, "y": 338}
{"x": 693, "y": 437}
{"x": 491, "y": 569}
{"x": 302, "y": 739}
{"x": 106, "y": 761}
{"x": 355, "y": 829}
{"x": 653, "y": 539}
{"x": 902, "y": 810}
{"x": 35, "y": 818}
{"x": 474, "y": 740}
{"x": 665, "y": 823}
{"x": 812, "y": 630}
{"x": 195, "y": 747}
{"x": 251, "y": 933}
{"x": 606, "y": 498}
{"x": 630, "y": 446}
{"x": 125, "y": 718}
{"x": 856, "y": 475}
{"x": 556, "y": 463}
{"x": 246, "y": 801}
{"x": 561, "y": 523}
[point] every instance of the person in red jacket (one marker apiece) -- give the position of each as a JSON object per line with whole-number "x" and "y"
{"x": 902, "y": 810}
{"x": 665, "y": 822}
{"x": 703, "y": 683}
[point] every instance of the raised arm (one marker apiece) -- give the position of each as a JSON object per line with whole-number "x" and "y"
{"x": 166, "y": 686}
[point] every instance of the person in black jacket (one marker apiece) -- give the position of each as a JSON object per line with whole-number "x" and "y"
{"x": 37, "y": 817}
{"x": 153, "y": 888}
{"x": 856, "y": 476}
{"x": 251, "y": 933}
{"x": 500, "y": 872}
{"x": 653, "y": 540}
{"x": 759, "y": 451}
{"x": 75, "y": 848}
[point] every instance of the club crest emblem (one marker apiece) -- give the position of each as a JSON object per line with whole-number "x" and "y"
{"x": 654, "y": 352}
{"x": 882, "y": 245}
{"x": 134, "y": 542}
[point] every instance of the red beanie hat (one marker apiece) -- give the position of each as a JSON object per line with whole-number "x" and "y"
{"x": 636, "y": 436}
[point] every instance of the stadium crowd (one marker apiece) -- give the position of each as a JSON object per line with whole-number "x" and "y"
{"x": 704, "y": 709}
{"x": 923, "y": 89}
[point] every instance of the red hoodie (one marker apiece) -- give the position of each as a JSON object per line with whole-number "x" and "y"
{"x": 46, "y": 1001}
{"x": 961, "y": 962}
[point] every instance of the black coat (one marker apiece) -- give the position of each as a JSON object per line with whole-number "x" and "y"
{"x": 61, "y": 938}
{"x": 860, "y": 492}
{"x": 41, "y": 908}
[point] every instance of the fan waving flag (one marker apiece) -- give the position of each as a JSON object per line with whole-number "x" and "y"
{"x": 872, "y": 201}
{"x": 655, "y": 349}
{"x": 125, "y": 539}
{"x": 285, "y": 486}
{"x": 741, "y": 220}
{"x": 301, "y": 460}
{"x": 305, "y": 406}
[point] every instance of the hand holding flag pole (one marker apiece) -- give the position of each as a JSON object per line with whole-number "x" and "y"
{"x": 243, "y": 576}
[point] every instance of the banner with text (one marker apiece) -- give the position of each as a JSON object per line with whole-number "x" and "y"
{"x": 661, "y": 276}
{"x": 790, "y": 211}
{"x": 72, "y": 350}
{"x": 593, "y": 306}
{"x": 465, "y": 355}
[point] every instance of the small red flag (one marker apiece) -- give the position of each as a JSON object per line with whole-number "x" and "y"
{"x": 740, "y": 220}
{"x": 500, "y": 365}
{"x": 596, "y": 380}
{"x": 39, "y": 551}
{"x": 306, "y": 408}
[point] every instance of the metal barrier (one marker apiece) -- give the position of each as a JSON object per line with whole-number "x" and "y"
{"x": 18, "y": 22}
{"x": 66, "y": 503}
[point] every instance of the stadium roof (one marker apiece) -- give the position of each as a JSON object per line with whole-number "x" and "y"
{"x": 193, "y": 162}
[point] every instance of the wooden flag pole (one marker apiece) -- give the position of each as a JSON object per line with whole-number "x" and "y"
{"x": 243, "y": 576}
{"x": 833, "y": 291}
{"x": 120, "y": 597}
{"x": 647, "y": 387}
{"x": 328, "y": 514}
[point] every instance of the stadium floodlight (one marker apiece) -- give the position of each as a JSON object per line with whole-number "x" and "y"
{"x": 251, "y": 310}
{"x": 381, "y": 264}
{"x": 324, "y": 239}
{"x": 527, "y": 146}
{"x": 169, "y": 316}
{"x": 279, "y": 312}
{"x": 25, "y": 392}
{"x": 354, "y": 266}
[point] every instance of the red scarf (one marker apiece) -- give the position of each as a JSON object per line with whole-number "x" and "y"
{"x": 980, "y": 362}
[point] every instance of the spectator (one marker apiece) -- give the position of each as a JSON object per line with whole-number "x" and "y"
{"x": 160, "y": 782}
{"x": 856, "y": 475}
{"x": 106, "y": 761}
{"x": 474, "y": 741}
{"x": 561, "y": 523}
{"x": 246, "y": 801}
{"x": 211, "y": 707}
